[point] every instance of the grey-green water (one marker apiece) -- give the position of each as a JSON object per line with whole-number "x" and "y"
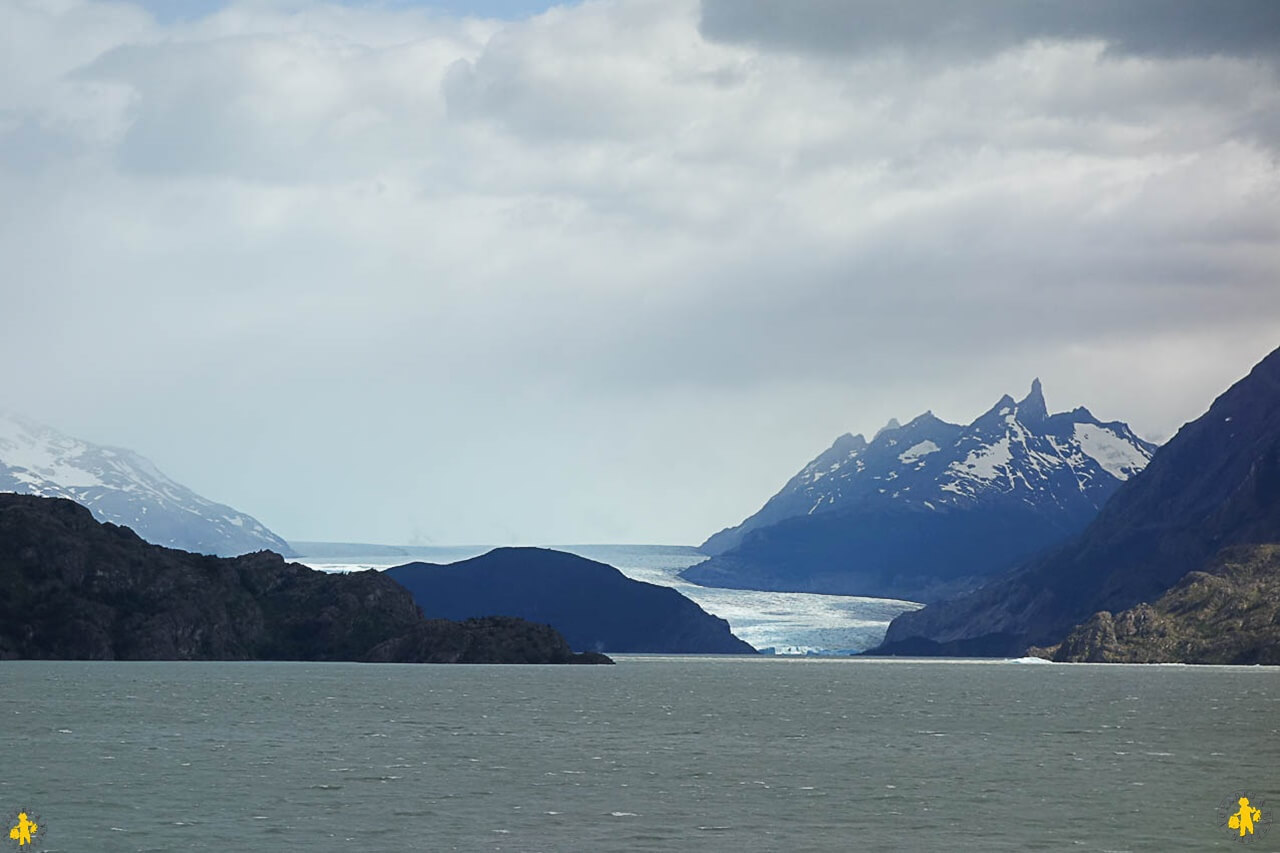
{"x": 660, "y": 754}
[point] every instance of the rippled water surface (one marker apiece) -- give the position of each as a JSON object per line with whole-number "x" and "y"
{"x": 661, "y": 754}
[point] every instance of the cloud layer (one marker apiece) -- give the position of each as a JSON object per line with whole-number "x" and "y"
{"x": 613, "y": 272}
{"x": 1162, "y": 29}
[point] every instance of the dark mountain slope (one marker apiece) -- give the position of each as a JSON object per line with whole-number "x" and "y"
{"x": 78, "y": 589}
{"x": 593, "y": 605}
{"x": 888, "y": 552}
{"x": 1215, "y": 484}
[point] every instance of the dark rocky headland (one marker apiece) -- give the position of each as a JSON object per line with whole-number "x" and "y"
{"x": 73, "y": 588}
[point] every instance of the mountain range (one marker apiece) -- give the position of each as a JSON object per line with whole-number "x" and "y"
{"x": 1187, "y": 538}
{"x": 122, "y": 487}
{"x": 929, "y": 508}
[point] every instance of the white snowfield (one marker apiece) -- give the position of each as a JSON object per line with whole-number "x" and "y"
{"x": 1118, "y": 457}
{"x": 37, "y": 455}
{"x": 1021, "y": 459}
{"x": 916, "y": 451}
{"x": 986, "y": 463}
{"x": 121, "y": 487}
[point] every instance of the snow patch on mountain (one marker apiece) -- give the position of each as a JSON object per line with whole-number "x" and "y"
{"x": 917, "y": 451}
{"x": 36, "y": 458}
{"x": 986, "y": 463}
{"x": 1118, "y": 457}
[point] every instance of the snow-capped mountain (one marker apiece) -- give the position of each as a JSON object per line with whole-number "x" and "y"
{"x": 913, "y": 500}
{"x": 119, "y": 486}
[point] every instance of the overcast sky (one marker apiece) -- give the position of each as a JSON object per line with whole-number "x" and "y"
{"x": 612, "y": 272}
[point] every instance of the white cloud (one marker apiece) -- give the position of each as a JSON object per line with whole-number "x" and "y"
{"x": 593, "y": 275}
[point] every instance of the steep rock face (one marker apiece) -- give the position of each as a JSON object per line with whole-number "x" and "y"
{"x": 121, "y": 487}
{"x": 927, "y": 508}
{"x": 78, "y": 589}
{"x": 593, "y": 605}
{"x": 1215, "y": 484}
{"x": 1228, "y": 614}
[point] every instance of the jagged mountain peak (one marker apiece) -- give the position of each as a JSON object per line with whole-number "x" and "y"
{"x": 1033, "y": 414}
{"x": 849, "y": 442}
{"x": 926, "y": 418}
{"x": 1003, "y": 409}
{"x": 924, "y": 425}
{"x": 1015, "y": 453}
{"x": 891, "y": 426}
{"x": 1031, "y": 408}
{"x": 123, "y": 487}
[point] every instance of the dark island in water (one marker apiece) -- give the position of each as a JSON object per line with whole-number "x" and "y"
{"x": 595, "y": 606}
{"x": 74, "y": 588}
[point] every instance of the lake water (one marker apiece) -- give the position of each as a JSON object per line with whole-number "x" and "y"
{"x": 654, "y": 754}
{"x": 786, "y": 622}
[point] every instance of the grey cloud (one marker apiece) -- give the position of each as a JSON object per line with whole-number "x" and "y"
{"x": 499, "y": 87}
{"x": 516, "y": 87}
{"x": 947, "y": 287}
{"x": 198, "y": 115}
{"x": 27, "y": 146}
{"x": 1261, "y": 126}
{"x": 960, "y": 28}
{"x": 899, "y": 319}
